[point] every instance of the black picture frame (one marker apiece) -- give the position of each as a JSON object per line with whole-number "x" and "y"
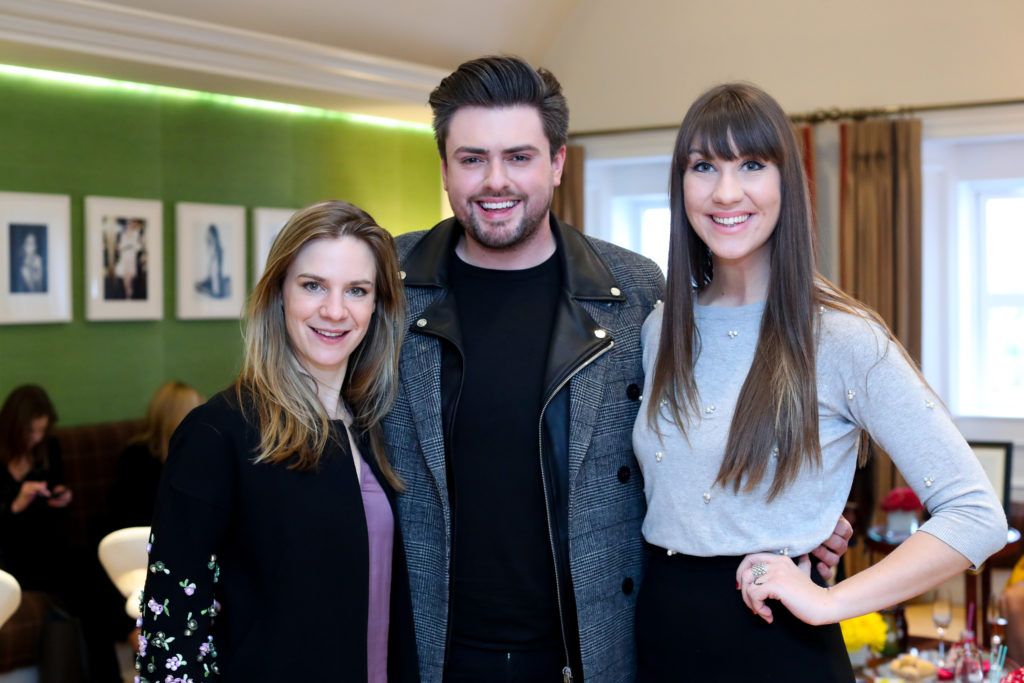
{"x": 996, "y": 458}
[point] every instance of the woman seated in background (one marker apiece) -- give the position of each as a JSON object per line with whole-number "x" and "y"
{"x": 139, "y": 466}
{"x": 33, "y": 497}
{"x": 34, "y": 541}
{"x": 275, "y": 554}
{"x": 762, "y": 378}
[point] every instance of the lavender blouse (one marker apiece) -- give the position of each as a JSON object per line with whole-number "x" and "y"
{"x": 380, "y": 528}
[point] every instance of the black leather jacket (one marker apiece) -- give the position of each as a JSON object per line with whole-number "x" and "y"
{"x": 577, "y": 341}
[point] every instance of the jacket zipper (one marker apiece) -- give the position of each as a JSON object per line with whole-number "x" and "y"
{"x": 451, "y": 526}
{"x": 567, "y": 669}
{"x": 446, "y": 431}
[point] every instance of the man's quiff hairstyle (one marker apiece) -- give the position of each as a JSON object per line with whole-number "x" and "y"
{"x": 495, "y": 82}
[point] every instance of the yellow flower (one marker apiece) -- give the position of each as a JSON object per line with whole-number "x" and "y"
{"x": 869, "y": 630}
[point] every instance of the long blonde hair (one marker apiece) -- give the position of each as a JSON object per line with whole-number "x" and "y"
{"x": 294, "y": 427}
{"x": 169, "y": 405}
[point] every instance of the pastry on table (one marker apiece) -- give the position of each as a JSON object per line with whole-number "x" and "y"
{"x": 912, "y": 668}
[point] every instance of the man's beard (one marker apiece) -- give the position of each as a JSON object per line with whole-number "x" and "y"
{"x": 503, "y": 239}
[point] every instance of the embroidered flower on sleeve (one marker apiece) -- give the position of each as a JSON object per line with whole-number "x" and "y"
{"x": 143, "y": 644}
{"x": 188, "y": 586}
{"x": 157, "y": 609}
{"x": 191, "y": 625}
{"x": 183, "y": 679}
{"x": 211, "y": 611}
{"x": 161, "y": 640}
{"x": 158, "y": 567}
{"x": 174, "y": 662}
{"x": 214, "y": 567}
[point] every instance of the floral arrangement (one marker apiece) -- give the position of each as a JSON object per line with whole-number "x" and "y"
{"x": 902, "y": 499}
{"x": 869, "y": 630}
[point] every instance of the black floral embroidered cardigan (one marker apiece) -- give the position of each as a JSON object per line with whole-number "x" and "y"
{"x": 259, "y": 572}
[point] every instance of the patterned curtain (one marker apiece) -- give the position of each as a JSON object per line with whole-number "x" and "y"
{"x": 805, "y": 138}
{"x": 880, "y": 261}
{"x": 880, "y": 229}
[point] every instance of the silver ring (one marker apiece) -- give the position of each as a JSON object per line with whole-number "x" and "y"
{"x": 758, "y": 569}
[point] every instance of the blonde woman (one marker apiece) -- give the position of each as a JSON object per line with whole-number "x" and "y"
{"x": 275, "y": 554}
{"x": 140, "y": 464}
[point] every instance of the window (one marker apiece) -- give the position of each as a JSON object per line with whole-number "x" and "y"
{"x": 990, "y": 361}
{"x": 973, "y": 263}
{"x": 626, "y": 188}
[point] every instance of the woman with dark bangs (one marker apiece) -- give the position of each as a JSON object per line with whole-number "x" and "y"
{"x": 761, "y": 378}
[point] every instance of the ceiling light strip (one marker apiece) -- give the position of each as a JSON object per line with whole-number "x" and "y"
{"x": 100, "y": 83}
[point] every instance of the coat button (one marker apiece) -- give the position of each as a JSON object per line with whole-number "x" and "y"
{"x": 627, "y": 585}
{"x": 633, "y": 392}
{"x": 624, "y": 474}
{"x": 401, "y": 274}
{"x": 616, "y": 291}
{"x": 422, "y": 322}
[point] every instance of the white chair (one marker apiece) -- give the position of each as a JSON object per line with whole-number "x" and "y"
{"x": 10, "y": 596}
{"x": 124, "y": 557}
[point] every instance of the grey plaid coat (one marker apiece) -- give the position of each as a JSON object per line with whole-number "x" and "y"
{"x": 606, "y": 501}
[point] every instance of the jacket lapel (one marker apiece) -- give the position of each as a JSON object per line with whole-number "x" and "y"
{"x": 420, "y": 378}
{"x": 593, "y": 295}
{"x": 586, "y": 396}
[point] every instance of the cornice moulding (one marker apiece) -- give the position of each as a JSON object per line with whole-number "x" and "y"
{"x": 132, "y": 35}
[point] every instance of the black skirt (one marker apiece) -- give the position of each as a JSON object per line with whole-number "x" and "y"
{"x": 692, "y": 625}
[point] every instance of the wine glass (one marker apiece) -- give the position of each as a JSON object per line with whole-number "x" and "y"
{"x": 942, "y": 615}
{"x": 997, "y": 622}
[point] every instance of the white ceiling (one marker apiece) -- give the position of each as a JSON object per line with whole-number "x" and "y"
{"x": 440, "y": 33}
{"x": 379, "y": 57}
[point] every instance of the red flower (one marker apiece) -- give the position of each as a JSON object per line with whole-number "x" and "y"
{"x": 903, "y": 499}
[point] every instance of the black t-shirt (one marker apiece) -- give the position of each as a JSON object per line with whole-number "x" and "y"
{"x": 503, "y": 581}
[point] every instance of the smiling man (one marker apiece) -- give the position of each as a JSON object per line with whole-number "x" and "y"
{"x": 500, "y": 176}
{"x": 520, "y": 382}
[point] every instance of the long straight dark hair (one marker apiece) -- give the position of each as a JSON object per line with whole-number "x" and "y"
{"x": 777, "y": 405}
{"x": 23, "y": 405}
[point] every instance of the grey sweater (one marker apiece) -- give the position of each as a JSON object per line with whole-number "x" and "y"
{"x": 864, "y": 383}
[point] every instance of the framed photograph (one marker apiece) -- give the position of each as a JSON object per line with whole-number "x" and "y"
{"x": 210, "y": 242}
{"x": 268, "y": 223}
{"x": 124, "y": 272}
{"x": 996, "y": 458}
{"x": 35, "y": 258}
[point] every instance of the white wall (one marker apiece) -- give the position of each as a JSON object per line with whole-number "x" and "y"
{"x": 641, "y": 63}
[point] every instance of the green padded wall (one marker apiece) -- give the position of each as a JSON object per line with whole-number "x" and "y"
{"x": 79, "y": 141}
